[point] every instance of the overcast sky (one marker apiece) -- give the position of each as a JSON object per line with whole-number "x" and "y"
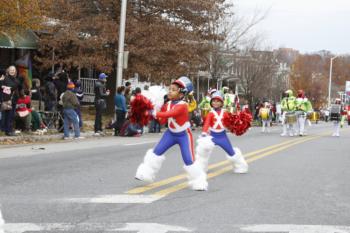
{"x": 305, "y": 25}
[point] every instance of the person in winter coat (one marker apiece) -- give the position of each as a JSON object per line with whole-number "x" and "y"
{"x": 10, "y": 85}
{"x": 100, "y": 101}
{"x": 70, "y": 103}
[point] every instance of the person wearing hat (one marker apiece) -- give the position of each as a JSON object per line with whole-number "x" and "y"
{"x": 175, "y": 113}
{"x": 303, "y": 107}
{"x": 288, "y": 105}
{"x": 204, "y": 105}
{"x": 214, "y": 133}
{"x": 101, "y": 94}
{"x": 336, "y": 111}
{"x": 70, "y": 103}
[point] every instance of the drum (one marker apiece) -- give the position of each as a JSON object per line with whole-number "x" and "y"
{"x": 291, "y": 118}
{"x": 314, "y": 116}
{"x": 264, "y": 114}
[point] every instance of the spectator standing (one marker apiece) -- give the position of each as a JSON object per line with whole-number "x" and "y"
{"x": 70, "y": 103}
{"x": 100, "y": 101}
{"x": 50, "y": 93}
{"x": 80, "y": 95}
{"x": 10, "y": 85}
{"x": 120, "y": 109}
{"x": 127, "y": 94}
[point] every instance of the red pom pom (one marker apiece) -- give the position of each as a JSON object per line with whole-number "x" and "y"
{"x": 140, "y": 107}
{"x": 238, "y": 123}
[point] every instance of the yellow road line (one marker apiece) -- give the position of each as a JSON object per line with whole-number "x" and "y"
{"x": 154, "y": 185}
{"x": 183, "y": 185}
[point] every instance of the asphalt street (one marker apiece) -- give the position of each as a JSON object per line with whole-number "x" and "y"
{"x": 295, "y": 184}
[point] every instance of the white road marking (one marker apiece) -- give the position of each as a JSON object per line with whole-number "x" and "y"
{"x": 297, "y": 228}
{"x": 117, "y": 199}
{"x": 99, "y": 227}
{"x": 2, "y": 223}
{"x": 140, "y": 143}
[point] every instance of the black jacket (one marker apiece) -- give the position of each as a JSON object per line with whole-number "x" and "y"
{"x": 100, "y": 91}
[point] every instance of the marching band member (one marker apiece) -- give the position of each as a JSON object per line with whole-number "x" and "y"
{"x": 288, "y": 105}
{"x": 335, "y": 116}
{"x": 175, "y": 112}
{"x": 265, "y": 115}
{"x": 303, "y": 107}
{"x": 214, "y": 133}
{"x": 228, "y": 103}
{"x": 204, "y": 105}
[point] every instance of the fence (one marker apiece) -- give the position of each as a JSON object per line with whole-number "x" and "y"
{"x": 88, "y": 85}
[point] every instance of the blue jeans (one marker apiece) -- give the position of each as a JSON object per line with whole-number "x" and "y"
{"x": 7, "y": 118}
{"x": 71, "y": 117}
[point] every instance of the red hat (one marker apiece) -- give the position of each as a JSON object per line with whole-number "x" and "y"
{"x": 301, "y": 94}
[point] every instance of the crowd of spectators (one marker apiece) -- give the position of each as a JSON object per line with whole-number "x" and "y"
{"x": 26, "y": 108}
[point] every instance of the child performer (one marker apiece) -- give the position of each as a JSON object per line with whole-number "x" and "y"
{"x": 175, "y": 112}
{"x": 215, "y": 127}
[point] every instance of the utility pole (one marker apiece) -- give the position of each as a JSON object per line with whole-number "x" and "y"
{"x": 330, "y": 81}
{"x": 121, "y": 43}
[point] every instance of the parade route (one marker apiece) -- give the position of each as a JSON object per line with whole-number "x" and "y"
{"x": 92, "y": 189}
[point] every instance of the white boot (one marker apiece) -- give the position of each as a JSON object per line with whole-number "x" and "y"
{"x": 238, "y": 162}
{"x": 204, "y": 149}
{"x": 284, "y": 133}
{"x": 150, "y": 166}
{"x": 197, "y": 179}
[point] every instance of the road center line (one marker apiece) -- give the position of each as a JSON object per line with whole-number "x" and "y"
{"x": 183, "y": 185}
{"x": 154, "y": 185}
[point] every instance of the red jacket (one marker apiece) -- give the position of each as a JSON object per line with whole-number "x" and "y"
{"x": 176, "y": 113}
{"x": 23, "y": 104}
{"x": 213, "y": 122}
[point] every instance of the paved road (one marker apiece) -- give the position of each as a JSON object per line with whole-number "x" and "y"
{"x": 295, "y": 184}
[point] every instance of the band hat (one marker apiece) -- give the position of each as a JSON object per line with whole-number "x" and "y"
{"x": 185, "y": 84}
{"x": 218, "y": 96}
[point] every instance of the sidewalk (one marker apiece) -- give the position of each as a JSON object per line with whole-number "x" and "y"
{"x": 25, "y": 139}
{"x": 46, "y": 137}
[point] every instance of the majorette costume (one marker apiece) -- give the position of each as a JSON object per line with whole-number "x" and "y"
{"x": 214, "y": 133}
{"x": 288, "y": 105}
{"x": 265, "y": 115}
{"x": 336, "y": 112}
{"x": 175, "y": 112}
{"x": 303, "y": 107}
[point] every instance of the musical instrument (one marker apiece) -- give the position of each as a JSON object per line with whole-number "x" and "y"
{"x": 291, "y": 118}
{"x": 314, "y": 116}
{"x": 264, "y": 113}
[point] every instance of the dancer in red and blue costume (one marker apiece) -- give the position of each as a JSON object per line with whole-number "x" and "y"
{"x": 175, "y": 112}
{"x": 214, "y": 134}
